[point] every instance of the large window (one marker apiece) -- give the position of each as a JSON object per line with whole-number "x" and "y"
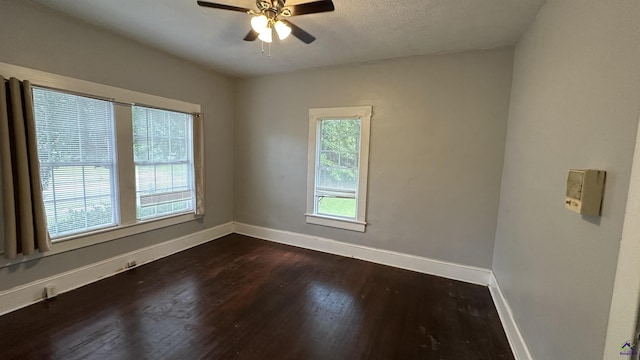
{"x": 162, "y": 150}
{"x": 75, "y": 136}
{"x": 90, "y": 179}
{"x": 338, "y": 160}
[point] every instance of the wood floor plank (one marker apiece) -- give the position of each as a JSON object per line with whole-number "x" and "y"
{"x": 244, "y": 298}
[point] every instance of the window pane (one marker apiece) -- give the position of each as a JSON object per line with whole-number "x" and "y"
{"x": 337, "y": 167}
{"x": 164, "y": 163}
{"x": 337, "y": 207}
{"x": 75, "y": 140}
{"x": 338, "y": 158}
{"x": 161, "y": 135}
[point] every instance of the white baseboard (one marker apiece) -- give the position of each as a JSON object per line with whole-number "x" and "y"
{"x": 33, "y": 292}
{"x": 425, "y": 265}
{"x": 516, "y": 340}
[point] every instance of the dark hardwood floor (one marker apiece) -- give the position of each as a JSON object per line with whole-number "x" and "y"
{"x": 243, "y": 298}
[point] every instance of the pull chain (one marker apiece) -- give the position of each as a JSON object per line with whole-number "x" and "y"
{"x": 268, "y": 49}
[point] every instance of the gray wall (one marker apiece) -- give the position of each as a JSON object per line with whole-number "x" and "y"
{"x": 36, "y": 37}
{"x": 575, "y": 104}
{"x": 437, "y": 147}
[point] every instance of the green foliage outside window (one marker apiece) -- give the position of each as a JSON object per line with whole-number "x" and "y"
{"x": 339, "y": 148}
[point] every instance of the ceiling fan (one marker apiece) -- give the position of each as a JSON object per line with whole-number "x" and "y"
{"x": 269, "y": 17}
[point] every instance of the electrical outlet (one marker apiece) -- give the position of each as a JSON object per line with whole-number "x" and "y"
{"x": 50, "y": 291}
{"x": 131, "y": 264}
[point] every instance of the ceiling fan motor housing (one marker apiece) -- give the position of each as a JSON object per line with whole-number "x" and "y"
{"x": 272, "y": 8}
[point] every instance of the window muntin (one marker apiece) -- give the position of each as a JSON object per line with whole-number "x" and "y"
{"x": 75, "y": 137}
{"x": 163, "y": 157}
{"x": 337, "y": 167}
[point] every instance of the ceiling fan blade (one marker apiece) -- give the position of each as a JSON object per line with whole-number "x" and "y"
{"x": 222, "y": 6}
{"x": 311, "y": 7}
{"x": 251, "y": 35}
{"x": 296, "y": 31}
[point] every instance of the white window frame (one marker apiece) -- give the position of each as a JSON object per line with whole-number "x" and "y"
{"x": 82, "y": 164}
{"x": 316, "y": 115}
{"x": 189, "y": 162}
{"x": 123, "y": 99}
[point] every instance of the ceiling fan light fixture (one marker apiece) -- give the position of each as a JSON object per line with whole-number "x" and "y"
{"x": 266, "y": 35}
{"x": 265, "y": 19}
{"x": 259, "y": 23}
{"x": 282, "y": 29}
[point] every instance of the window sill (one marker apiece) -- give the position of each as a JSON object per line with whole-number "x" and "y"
{"x": 78, "y": 241}
{"x": 336, "y": 222}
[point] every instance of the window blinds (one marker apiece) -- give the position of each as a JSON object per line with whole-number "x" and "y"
{"x": 75, "y": 137}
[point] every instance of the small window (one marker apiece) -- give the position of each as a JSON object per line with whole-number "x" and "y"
{"x": 338, "y": 160}
{"x": 163, "y": 156}
{"x": 75, "y": 137}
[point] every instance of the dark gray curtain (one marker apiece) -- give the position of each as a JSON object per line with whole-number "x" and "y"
{"x": 198, "y": 162}
{"x": 25, "y": 224}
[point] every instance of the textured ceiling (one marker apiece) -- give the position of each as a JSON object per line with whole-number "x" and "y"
{"x": 357, "y": 31}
